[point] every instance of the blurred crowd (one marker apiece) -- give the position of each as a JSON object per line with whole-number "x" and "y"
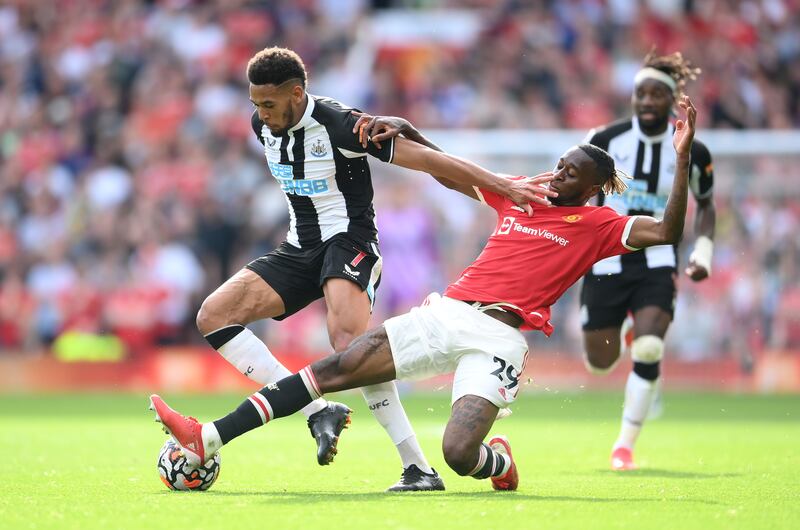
{"x": 131, "y": 185}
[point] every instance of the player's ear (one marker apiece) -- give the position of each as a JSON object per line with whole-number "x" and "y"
{"x": 297, "y": 93}
{"x": 594, "y": 190}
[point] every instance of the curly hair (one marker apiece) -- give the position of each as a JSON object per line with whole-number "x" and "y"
{"x": 275, "y": 66}
{"x": 612, "y": 180}
{"x": 674, "y": 65}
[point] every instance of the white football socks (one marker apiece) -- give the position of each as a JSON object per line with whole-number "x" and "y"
{"x": 211, "y": 439}
{"x": 384, "y": 402}
{"x": 639, "y": 394}
{"x": 251, "y": 357}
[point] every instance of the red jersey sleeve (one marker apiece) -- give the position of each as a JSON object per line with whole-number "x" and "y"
{"x": 612, "y": 230}
{"x": 491, "y": 198}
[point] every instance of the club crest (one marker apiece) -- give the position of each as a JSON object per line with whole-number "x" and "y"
{"x": 318, "y": 149}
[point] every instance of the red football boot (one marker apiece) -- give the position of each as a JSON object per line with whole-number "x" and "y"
{"x": 186, "y": 431}
{"x": 622, "y": 459}
{"x": 510, "y": 480}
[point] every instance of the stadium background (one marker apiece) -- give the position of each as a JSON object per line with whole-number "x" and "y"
{"x": 131, "y": 185}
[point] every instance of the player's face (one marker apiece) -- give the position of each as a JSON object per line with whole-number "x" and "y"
{"x": 277, "y": 105}
{"x": 652, "y": 101}
{"x": 574, "y": 178}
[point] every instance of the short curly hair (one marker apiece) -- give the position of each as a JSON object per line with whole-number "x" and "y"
{"x": 612, "y": 180}
{"x": 275, "y": 66}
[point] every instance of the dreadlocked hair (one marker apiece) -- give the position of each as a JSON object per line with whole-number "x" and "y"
{"x": 674, "y": 65}
{"x": 612, "y": 180}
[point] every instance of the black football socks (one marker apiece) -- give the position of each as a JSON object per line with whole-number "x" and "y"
{"x": 275, "y": 400}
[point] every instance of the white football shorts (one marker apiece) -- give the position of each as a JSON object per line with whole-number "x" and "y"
{"x": 444, "y": 335}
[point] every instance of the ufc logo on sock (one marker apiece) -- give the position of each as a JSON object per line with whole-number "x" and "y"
{"x": 379, "y": 404}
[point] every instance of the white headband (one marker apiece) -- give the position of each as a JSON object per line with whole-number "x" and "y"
{"x": 658, "y": 75}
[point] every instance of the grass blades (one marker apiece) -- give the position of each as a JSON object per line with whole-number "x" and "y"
{"x": 712, "y": 461}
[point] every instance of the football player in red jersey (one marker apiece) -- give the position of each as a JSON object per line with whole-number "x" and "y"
{"x": 474, "y": 328}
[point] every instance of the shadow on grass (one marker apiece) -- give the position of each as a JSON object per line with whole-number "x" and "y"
{"x": 667, "y": 473}
{"x": 310, "y": 497}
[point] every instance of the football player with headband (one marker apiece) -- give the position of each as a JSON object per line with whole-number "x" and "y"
{"x": 627, "y": 302}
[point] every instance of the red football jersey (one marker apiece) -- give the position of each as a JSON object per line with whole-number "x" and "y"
{"x": 529, "y": 262}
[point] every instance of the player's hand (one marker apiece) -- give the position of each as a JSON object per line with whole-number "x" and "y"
{"x": 532, "y": 189}
{"x": 684, "y": 128}
{"x": 378, "y": 128}
{"x": 696, "y": 272}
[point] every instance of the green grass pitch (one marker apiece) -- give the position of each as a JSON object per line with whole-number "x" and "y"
{"x": 711, "y": 461}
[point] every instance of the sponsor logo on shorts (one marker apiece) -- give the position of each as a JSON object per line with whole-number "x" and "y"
{"x": 353, "y": 273}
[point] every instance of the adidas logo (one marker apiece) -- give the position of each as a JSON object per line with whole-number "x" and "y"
{"x": 350, "y": 271}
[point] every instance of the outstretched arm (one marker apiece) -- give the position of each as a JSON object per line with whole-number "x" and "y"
{"x": 647, "y": 231}
{"x": 465, "y": 173}
{"x": 377, "y": 129}
{"x": 414, "y": 151}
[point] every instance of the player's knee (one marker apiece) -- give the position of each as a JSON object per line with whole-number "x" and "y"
{"x": 460, "y": 455}
{"x": 341, "y": 339}
{"x": 599, "y": 365}
{"x": 209, "y": 317}
{"x": 647, "y": 349}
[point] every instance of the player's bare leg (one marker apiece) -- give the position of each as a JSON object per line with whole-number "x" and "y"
{"x": 242, "y": 299}
{"x": 466, "y": 453}
{"x": 348, "y": 316}
{"x": 650, "y": 326}
{"x": 602, "y": 348}
{"x": 367, "y": 361}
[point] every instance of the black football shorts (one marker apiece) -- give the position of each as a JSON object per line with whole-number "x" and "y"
{"x": 297, "y": 275}
{"x": 607, "y": 299}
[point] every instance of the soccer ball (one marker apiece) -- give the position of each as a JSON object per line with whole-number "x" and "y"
{"x": 178, "y": 474}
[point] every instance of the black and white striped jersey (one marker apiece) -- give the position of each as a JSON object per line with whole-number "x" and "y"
{"x": 650, "y": 161}
{"x": 324, "y": 173}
